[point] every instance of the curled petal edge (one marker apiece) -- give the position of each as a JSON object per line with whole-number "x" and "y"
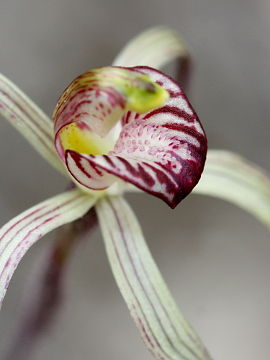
{"x": 161, "y": 151}
{"x": 230, "y": 177}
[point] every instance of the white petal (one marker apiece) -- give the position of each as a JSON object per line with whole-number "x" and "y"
{"x": 163, "y": 328}
{"x": 154, "y": 47}
{"x": 230, "y": 177}
{"x": 29, "y": 120}
{"x": 20, "y": 233}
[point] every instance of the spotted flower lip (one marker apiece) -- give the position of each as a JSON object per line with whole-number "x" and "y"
{"x": 160, "y": 145}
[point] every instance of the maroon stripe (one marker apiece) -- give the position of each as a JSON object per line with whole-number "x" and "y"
{"x": 140, "y": 173}
{"x": 131, "y": 289}
{"x": 108, "y": 159}
{"x": 144, "y": 331}
{"x": 161, "y": 304}
{"x": 24, "y": 111}
{"x": 138, "y": 277}
{"x": 75, "y": 156}
{"x": 21, "y": 242}
{"x": 63, "y": 106}
{"x": 81, "y": 103}
{"x": 163, "y": 307}
{"x": 186, "y": 130}
{"x": 51, "y": 218}
{"x": 128, "y": 282}
{"x": 58, "y": 207}
{"x": 33, "y": 130}
{"x": 172, "y": 110}
{"x": 125, "y": 118}
{"x": 16, "y": 223}
{"x": 78, "y": 158}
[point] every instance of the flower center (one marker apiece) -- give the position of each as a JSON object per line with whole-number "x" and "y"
{"x": 94, "y": 102}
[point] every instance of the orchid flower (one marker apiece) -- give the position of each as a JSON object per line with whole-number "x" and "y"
{"x": 116, "y": 129}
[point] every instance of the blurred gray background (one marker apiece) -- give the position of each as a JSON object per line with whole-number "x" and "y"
{"x": 214, "y": 256}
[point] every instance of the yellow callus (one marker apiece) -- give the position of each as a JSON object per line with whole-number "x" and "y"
{"x": 137, "y": 93}
{"x": 84, "y": 141}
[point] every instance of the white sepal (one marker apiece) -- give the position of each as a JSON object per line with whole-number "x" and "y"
{"x": 230, "y": 177}
{"x": 154, "y": 47}
{"x": 29, "y": 120}
{"x": 20, "y": 233}
{"x": 163, "y": 328}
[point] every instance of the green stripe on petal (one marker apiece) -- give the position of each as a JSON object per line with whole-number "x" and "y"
{"x": 154, "y": 47}
{"x": 230, "y": 177}
{"x": 163, "y": 328}
{"x": 29, "y": 120}
{"x": 20, "y": 233}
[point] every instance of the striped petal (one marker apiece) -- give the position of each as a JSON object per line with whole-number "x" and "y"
{"x": 163, "y": 328}
{"x": 45, "y": 296}
{"x": 161, "y": 151}
{"x": 23, "y": 231}
{"x": 230, "y": 177}
{"x": 29, "y": 120}
{"x": 154, "y": 47}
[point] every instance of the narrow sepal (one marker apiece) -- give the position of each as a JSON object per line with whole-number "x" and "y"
{"x": 163, "y": 328}
{"x": 230, "y": 177}
{"x": 46, "y": 292}
{"x": 20, "y": 233}
{"x": 29, "y": 120}
{"x": 154, "y": 47}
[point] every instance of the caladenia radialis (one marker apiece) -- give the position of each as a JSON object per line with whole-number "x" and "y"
{"x": 116, "y": 129}
{"x": 116, "y": 125}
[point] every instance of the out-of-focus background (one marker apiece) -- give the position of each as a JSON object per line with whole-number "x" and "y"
{"x": 214, "y": 256}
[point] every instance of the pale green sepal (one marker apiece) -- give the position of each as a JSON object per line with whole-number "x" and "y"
{"x": 163, "y": 328}
{"x": 29, "y": 120}
{"x": 154, "y": 47}
{"x": 230, "y": 177}
{"x": 20, "y": 233}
